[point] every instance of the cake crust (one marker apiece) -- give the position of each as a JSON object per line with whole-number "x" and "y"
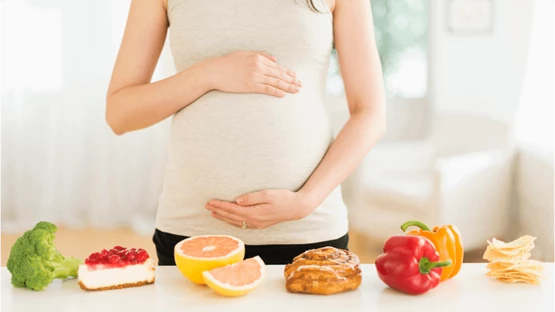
{"x": 121, "y": 286}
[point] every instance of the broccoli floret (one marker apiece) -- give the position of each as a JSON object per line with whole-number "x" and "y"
{"x": 34, "y": 261}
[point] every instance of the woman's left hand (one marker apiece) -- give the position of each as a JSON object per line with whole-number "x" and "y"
{"x": 259, "y": 210}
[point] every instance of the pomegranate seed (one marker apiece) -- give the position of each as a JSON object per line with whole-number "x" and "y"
{"x": 119, "y": 248}
{"x": 104, "y": 253}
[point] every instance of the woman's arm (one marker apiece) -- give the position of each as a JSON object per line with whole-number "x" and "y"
{"x": 362, "y": 74}
{"x": 361, "y": 70}
{"x": 133, "y": 103}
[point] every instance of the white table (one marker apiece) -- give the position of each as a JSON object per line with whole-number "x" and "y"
{"x": 468, "y": 291}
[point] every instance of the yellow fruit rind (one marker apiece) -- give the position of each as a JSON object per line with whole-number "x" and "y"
{"x": 193, "y": 267}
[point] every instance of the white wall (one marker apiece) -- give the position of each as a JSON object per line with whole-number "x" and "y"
{"x": 480, "y": 73}
{"x": 60, "y": 160}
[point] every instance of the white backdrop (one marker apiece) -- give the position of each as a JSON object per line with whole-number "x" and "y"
{"x": 534, "y": 187}
{"x": 536, "y": 102}
{"x": 60, "y": 160}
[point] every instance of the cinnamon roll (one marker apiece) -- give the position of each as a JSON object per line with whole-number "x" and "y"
{"x": 323, "y": 271}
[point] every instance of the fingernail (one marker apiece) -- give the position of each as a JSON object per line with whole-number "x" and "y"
{"x": 295, "y": 88}
{"x": 239, "y": 200}
{"x": 282, "y": 94}
{"x": 299, "y": 83}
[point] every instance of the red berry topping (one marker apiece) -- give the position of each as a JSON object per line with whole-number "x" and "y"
{"x": 114, "y": 259}
{"x": 95, "y": 256}
{"x": 141, "y": 256}
{"x": 130, "y": 257}
{"x": 117, "y": 257}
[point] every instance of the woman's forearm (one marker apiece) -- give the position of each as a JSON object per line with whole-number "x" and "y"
{"x": 137, "y": 107}
{"x": 361, "y": 132}
{"x": 364, "y": 89}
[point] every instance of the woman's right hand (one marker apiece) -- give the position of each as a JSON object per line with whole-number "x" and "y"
{"x": 252, "y": 72}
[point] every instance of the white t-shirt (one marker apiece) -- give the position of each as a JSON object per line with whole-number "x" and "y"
{"x": 227, "y": 144}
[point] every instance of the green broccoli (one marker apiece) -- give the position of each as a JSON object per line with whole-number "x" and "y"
{"x": 34, "y": 261}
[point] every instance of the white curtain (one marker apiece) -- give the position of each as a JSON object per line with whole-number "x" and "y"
{"x": 536, "y": 109}
{"x": 535, "y": 168}
{"x": 60, "y": 161}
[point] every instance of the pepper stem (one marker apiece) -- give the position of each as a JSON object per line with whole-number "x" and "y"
{"x": 419, "y": 224}
{"x": 425, "y": 265}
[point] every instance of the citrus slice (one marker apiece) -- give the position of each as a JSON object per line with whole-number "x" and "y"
{"x": 201, "y": 253}
{"x": 236, "y": 279}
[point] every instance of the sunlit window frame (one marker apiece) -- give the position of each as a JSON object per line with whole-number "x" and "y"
{"x": 396, "y": 99}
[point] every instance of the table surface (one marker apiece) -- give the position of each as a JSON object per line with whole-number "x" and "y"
{"x": 471, "y": 290}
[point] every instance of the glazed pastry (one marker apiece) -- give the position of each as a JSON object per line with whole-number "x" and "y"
{"x": 323, "y": 271}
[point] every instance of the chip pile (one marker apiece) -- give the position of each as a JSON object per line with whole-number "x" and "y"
{"x": 510, "y": 262}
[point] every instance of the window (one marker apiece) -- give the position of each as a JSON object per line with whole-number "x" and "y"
{"x": 401, "y": 30}
{"x": 32, "y": 47}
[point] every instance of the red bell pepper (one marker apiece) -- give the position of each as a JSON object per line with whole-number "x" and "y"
{"x": 410, "y": 264}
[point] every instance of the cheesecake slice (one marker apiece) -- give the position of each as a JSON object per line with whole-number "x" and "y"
{"x": 116, "y": 268}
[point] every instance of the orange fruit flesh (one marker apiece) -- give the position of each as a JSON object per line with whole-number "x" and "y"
{"x": 209, "y": 247}
{"x": 240, "y": 274}
{"x": 236, "y": 279}
{"x": 197, "y": 254}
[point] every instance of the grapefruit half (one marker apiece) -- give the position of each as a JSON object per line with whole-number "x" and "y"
{"x": 201, "y": 253}
{"x": 236, "y": 279}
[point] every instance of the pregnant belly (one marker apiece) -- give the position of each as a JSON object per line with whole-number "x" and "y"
{"x": 224, "y": 145}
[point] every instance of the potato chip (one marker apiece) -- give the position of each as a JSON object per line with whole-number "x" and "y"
{"x": 526, "y": 265}
{"x": 518, "y": 280}
{"x": 518, "y": 254}
{"x": 510, "y": 262}
{"x": 511, "y": 273}
{"x": 515, "y": 277}
{"x": 496, "y": 255}
{"x": 512, "y": 252}
{"x": 518, "y": 243}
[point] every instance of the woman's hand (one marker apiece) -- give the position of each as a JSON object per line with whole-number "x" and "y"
{"x": 259, "y": 210}
{"x": 252, "y": 72}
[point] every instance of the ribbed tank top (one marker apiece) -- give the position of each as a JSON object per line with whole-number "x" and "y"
{"x": 227, "y": 144}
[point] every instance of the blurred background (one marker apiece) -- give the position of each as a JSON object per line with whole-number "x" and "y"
{"x": 470, "y": 87}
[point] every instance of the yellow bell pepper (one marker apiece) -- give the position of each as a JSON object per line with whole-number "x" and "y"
{"x": 447, "y": 241}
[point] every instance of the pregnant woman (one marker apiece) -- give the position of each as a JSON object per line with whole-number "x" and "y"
{"x": 252, "y": 152}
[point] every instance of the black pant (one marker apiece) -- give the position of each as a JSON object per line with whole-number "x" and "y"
{"x": 270, "y": 254}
